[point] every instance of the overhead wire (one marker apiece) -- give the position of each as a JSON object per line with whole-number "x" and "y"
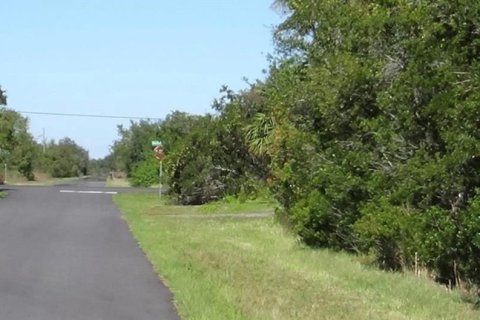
{"x": 87, "y": 115}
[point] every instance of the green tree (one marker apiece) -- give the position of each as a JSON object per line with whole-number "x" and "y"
{"x": 101, "y": 168}
{"x": 66, "y": 159}
{"x": 211, "y": 159}
{"x": 134, "y": 145}
{"x": 376, "y": 134}
{"x": 16, "y": 142}
{"x": 145, "y": 173}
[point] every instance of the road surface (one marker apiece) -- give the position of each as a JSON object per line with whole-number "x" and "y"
{"x": 65, "y": 254}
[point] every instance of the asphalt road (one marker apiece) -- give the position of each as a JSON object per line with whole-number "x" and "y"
{"x": 65, "y": 254}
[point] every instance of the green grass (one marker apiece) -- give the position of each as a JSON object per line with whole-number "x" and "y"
{"x": 3, "y": 194}
{"x": 118, "y": 183}
{"x": 46, "y": 182}
{"x": 237, "y": 268}
{"x": 41, "y": 179}
{"x": 234, "y": 205}
{"x": 123, "y": 183}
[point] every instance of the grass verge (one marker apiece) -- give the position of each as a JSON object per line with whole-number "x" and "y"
{"x": 123, "y": 183}
{"x": 46, "y": 182}
{"x": 238, "y": 268}
{"x": 118, "y": 183}
{"x": 41, "y": 179}
{"x": 234, "y": 205}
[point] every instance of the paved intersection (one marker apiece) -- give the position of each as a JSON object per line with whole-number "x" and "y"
{"x": 70, "y": 256}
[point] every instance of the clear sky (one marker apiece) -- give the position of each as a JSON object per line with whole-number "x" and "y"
{"x": 126, "y": 57}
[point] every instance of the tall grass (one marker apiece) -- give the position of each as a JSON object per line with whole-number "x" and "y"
{"x": 237, "y": 268}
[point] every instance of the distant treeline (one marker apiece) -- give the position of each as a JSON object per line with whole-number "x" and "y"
{"x": 19, "y": 150}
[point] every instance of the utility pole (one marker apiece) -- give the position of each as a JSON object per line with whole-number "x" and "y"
{"x": 43, "y": 140}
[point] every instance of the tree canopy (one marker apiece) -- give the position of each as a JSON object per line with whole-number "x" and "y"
{"x": 20, "y": 152}
{"x": 365, "y": 129}
{"x": 376, "y": 145}
{"x": 16, "y": 143}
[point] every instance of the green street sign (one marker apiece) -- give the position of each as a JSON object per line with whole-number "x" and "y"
{"x": 156, "y": 143}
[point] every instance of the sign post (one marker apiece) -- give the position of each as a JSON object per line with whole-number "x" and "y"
{"x": 160, "y": 178}
{"x": 159, "y": 155}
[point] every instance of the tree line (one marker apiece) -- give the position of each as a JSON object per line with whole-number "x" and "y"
{"x": 366, "y": 130}
{"x": 20, "y": 152}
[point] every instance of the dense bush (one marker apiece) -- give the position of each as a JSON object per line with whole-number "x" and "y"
{"x": 65, "y": 159}
{"x": 376, "y": 142}
{"x": 134, "y": 145}
{"x": 211, "y": 161}
{"x": 207, "y": 156}
{"x": 17, "y": 148}
{"x": 366, "y": 130}
{"x": 145, "y": 173}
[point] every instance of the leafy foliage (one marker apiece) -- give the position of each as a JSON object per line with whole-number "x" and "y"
{"x": 366, "y": 129}
{"x": 213, "y": 159}
{"x": 66, "y": 159}
{"x": 134, "y": 145}
{"x": 19, "y": 150}
{"x": 16, "y": 143}
{"x": 207, "y": 156}
{"x": 145, "y": 173}
{"x": 376, "y": 142}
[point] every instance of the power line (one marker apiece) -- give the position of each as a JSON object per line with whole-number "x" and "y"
{"x": 87, "y": 115}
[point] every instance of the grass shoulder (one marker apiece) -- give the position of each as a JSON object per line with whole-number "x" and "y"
{"x": 235, "y": 205}
{"x": 41, "y": 179}
{"x": 123, "y": 183}
{"x": 118, "y": 183}
{"x": 229, "y": 268}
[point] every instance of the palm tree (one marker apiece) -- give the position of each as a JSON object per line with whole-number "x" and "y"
{"x": 260, "y": 134}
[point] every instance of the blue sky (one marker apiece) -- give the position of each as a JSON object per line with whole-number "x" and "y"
{"x": 132, "y": 58}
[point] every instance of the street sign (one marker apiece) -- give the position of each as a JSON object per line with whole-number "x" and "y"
{"x": 159, "y": 154}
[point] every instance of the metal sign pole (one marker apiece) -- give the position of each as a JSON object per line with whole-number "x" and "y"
{"x": 159, "y": 154}
{"x": 160, "y": 178}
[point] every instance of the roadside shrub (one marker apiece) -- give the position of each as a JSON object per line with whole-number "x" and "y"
{"x": 375, "y": 142}
{"x": 313, "y": 220}
{"x": 66, "y": 159}
{"x": 145, "y": 173}
{"x": 390, "y": 232}
{"x": 450, "y": 243}
{"x": 194, "y": 179}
